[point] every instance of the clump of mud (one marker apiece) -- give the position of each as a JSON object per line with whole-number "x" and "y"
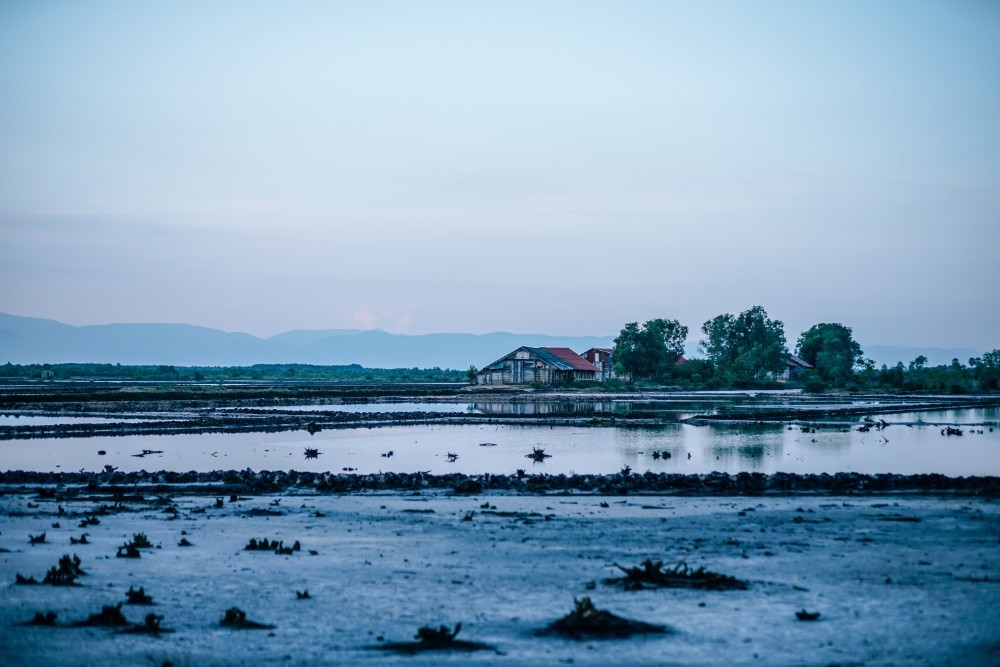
{"x": 653, "y": 574}
{"x": 588, "y": 622}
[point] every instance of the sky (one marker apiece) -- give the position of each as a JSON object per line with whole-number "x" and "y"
{"x": 545, "y": 167}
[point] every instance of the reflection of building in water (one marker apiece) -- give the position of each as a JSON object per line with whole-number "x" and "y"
{"x": 542, "y": 407}
{"x": 544, "y": 365}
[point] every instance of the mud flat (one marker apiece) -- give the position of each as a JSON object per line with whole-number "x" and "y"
{"x": 897, "y": 579}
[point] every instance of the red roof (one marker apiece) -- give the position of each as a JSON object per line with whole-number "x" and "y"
{"x": 572, "y": 358}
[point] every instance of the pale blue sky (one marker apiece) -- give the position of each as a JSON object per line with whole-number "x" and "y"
{"x": 539, "y": 166}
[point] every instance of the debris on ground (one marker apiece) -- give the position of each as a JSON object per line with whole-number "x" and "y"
{"x": 653, "y": 574}
{"x": 312, "y": 453}
{"x": 804, "y": 615}
{"x": 81, "y": 540}
{"x": 22, "y": 580}
{"x": 237, "y": 618}
{"x": 435, "y": 639}
{"x": 184, "y": 543}
{"x": 36, "y": 539}
{"x": 133, "y": 596}
{"x": 111, "y": 616}
{"x": 587, "y": 621}
{"x": 302, "y": 595}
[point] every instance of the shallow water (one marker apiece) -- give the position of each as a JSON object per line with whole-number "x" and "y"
{"x": 46, "y": 420}
{"x": 693, "y": 449}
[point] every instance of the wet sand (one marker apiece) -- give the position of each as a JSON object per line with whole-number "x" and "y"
{"x": 901, "y": 579}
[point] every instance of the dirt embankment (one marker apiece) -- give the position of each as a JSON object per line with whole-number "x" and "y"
{"x": 713, "y": 484}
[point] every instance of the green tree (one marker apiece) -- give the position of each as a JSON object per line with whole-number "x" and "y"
{"x": 987, "y": 371}
{"x": 832, "y": 351}
{"x": 471, "y": 374}
{"x": 650, "y": 351}
{"x": 747, "y": 347}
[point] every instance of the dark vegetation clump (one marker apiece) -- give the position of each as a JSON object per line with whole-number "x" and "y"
{"x": 277, "y": 546}
{"x": 184, "y": 543}
{"x": 140, "y": 541}
{"x": 302, "y": 595}
{"x": 128, "y": 551}
{"x": 90, "y": 521}
{"x": 313, "y": 429}
{"x": 133, "y": 596}
{"x": 804, "y": 615}
{"x": 653, "y": 574}
{"x": 81, "y": 540}
{"x": 47, "y": 619}
{"x": 147, "y": 452}
{"x": 36, "y": 539}
{"x": 111, "y": 616}
{"x": 951, "y": 430}
{"x": 150, "y": 626}
{"x": 588, "y": 622}
{"x": 436, "y": 639}
{"x": 237, "y": 618}
{"x": 66, "y": 573}
{"x": 538, "y": 455}
{"x": 312, "y": 453}
{"x": 22, "y": 580}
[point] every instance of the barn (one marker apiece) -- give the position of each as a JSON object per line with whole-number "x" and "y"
{"x": 544, "y": 365}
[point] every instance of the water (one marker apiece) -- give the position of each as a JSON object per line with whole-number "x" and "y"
{"x": 45, "y": 420}
{"x": 693, "y": 449}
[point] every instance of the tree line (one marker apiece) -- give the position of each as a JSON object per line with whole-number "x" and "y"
{"x": 750, "y": 350}
{"x": 263, "y": 372}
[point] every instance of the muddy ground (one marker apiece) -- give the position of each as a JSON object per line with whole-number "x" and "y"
{"x": 901, "y": 579}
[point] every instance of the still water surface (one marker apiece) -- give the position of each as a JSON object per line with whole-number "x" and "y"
{"x": 502, "y": 449}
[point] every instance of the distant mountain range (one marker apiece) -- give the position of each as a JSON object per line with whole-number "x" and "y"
{"x": 26, "y": 340}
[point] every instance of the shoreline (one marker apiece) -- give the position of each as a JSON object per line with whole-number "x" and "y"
{"x": 71, "y": 484}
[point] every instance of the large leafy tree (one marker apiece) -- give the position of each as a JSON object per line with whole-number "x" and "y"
{"x": 832, "y": 351}
{"x": 747, "y": 347}
{"x": 650, "y": 351}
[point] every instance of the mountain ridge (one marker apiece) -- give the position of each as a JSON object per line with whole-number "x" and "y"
{"x": 37, "y": 340}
